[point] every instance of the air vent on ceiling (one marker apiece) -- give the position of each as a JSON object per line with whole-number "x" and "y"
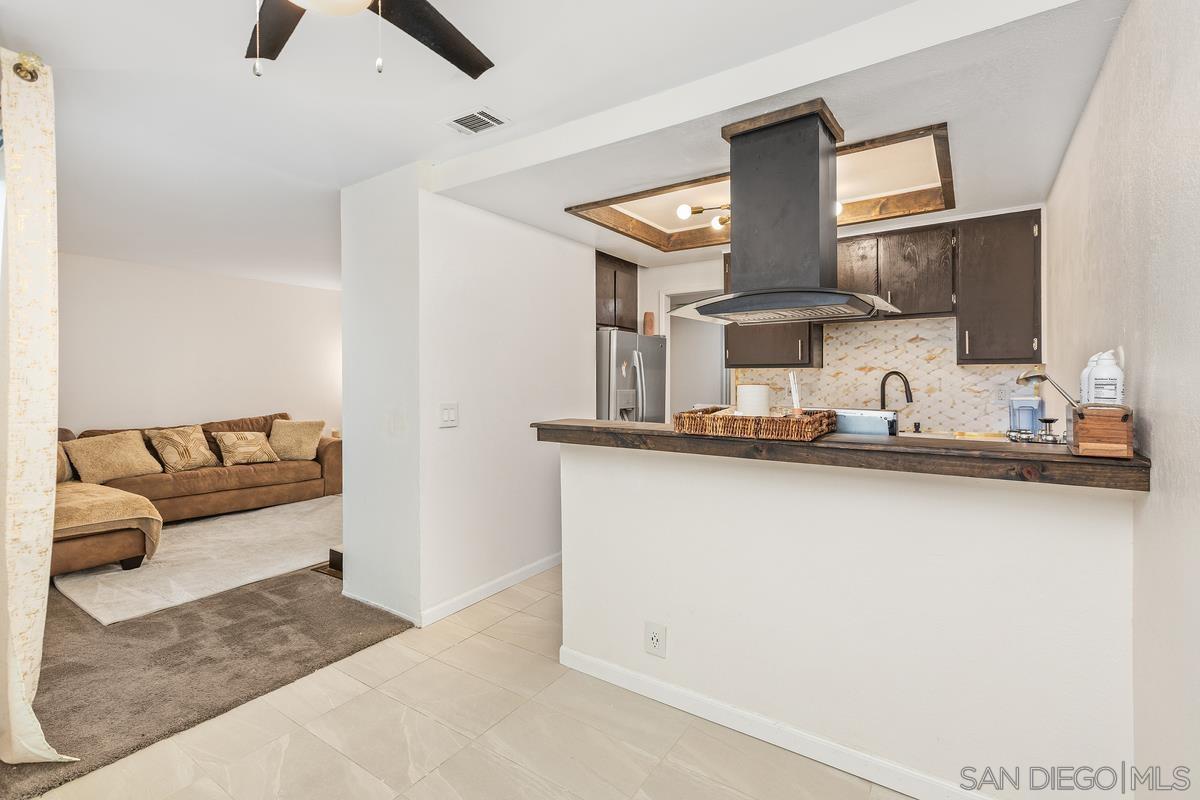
{"x": 477, "y": 122}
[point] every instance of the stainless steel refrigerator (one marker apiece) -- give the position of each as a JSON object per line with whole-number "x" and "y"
{"x": 631, "y": 376}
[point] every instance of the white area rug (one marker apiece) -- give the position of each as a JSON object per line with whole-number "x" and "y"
{"x": 209, "y": 556}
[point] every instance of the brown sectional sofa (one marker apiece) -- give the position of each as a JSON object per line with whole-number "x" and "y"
{"x": 204, "y": 492}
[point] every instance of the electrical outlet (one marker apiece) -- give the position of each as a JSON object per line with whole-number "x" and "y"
{"x": 1002, "y": 395}
{"x": 656, "y": 639}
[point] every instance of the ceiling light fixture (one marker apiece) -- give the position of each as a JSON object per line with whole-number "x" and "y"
{"x": 335, "y": 8}
{"x": 686, "y": 211}
{"x": 257, "y": 68}
{"x": 720, "y": 222}
{"x": 379, "y": 61}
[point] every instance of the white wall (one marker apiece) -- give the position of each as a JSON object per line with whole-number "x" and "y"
{"x": 507, "y": 332}
{"x": 655, "y": 287}
{"x": 444, "y": 303}
{"x": 896, "y": 626}
{"x": 697, "y": 368}
{"x": 1124, "y": 231}
{"x": 381, "y": 454}
{"x": 146, "y": 345}
{"x": 656, "y": 284}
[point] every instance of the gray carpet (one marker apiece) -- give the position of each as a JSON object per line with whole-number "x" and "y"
{"x": 109, "y": 691}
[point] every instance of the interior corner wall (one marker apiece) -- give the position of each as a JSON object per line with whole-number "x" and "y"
{"x": 507, "y": 331}
{"x": 380, "y": 334}
{"x": 144, "y": 345}
{"x": 1124, "y": 233}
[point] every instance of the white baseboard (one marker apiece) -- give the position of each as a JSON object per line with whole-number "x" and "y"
{"x": 484, "y": 591}
{"x": 407, "y": 617}
{"x": 872, "y": 768}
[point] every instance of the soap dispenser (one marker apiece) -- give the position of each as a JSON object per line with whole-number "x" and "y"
{"x": 1106, "y": 382}
{"x": 1085, "y": 377}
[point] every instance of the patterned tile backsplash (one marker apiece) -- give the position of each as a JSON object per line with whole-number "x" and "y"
{"x": 946, "y": 396}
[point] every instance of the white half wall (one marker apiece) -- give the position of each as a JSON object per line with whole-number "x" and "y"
{"x": 508, "y": 332}
{"x": 145, "y": 345}
{"x": 1123, "y": 222}
{"x": 899, "y": 627}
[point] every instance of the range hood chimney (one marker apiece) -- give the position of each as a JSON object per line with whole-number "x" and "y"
{"x": 783, "y": 175}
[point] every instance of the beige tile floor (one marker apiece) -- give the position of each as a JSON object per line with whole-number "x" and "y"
{"x": 475, "y": 707}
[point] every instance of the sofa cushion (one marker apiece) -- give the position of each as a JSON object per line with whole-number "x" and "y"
{"x": 100, "y": 459}
{"x": 145, "y": 434}
{"x": 244, "y": 447}
{"x": 182, "y": 449}
{"x": 63, "y": 472}
{"x": 296, "y": 440}
{"x": 219, "y": 479}
{"x": 259, "y": 424}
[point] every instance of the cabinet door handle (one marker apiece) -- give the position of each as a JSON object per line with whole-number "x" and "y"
{"x": 800, "y": 349}
{"x": 1035, "y": 344}
{"x": 967, "y": 336}
{"x": 889, "y": 296}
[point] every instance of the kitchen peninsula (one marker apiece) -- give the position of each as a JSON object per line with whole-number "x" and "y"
{"x": 864, "y": 601}
{"x": 998, "y": 460}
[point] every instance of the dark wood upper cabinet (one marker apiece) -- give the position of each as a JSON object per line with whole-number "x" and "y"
{"x": 916, "y": 271}
{"x": 606, "y": 294}
{"x": 627, "y": 299}
{"x": 784, "y": 344}
{"x": 616, "y": 292}
{"x": 788, "y": 344}
{"x": 999, "y": 283}
{"x": 858, "y": 265}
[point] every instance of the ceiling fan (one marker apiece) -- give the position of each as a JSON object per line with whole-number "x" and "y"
{"x": 277, "y": 19}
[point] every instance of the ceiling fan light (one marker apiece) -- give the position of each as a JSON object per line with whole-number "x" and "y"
{"x": 335, "y": 8}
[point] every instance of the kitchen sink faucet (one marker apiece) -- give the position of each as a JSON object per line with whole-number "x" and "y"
{"x": 883, "y": 388}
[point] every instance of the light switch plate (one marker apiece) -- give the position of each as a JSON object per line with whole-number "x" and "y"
{"x": 448, "y": 415}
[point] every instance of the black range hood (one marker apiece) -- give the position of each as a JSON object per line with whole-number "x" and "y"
{"x": 783, "y": 264}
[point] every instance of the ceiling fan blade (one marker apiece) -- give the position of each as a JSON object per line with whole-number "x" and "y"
{"x": 278, "y": 19}
{"x": 424, "y": 23}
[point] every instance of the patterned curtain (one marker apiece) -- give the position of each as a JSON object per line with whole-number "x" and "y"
{"x": 28, "y": 395}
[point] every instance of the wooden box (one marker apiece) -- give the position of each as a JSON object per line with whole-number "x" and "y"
{"x": 1102, "y": 431}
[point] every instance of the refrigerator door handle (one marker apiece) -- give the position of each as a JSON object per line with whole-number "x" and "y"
{"x": 639, "y": 365}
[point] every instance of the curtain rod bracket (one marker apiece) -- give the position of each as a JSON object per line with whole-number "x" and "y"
{"x": 28, "y": 67}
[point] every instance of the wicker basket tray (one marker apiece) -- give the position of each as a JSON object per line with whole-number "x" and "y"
{"x": 718, "y": 421}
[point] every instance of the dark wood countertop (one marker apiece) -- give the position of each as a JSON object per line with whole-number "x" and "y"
{"x": 1000, "y": 460}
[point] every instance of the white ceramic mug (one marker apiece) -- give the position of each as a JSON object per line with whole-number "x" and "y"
{"x": 753, "y": 399}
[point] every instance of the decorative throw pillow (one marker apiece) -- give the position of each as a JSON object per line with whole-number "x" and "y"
{"x": 65, "y": 473}
{"x": 244, "y": 447}
{"x": 100, "y": 459}
{"x": 296, "y": 440}
{"x": 182, "y": 449}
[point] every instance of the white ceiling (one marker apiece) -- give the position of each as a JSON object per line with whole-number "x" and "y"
{"x": 171, "y": 153}
{"x": 1011, "y": 96}
{"x": 659, "y": 210}
{"x": 901, "y": 167}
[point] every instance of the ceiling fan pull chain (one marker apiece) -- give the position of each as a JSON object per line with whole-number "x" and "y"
{"x": 258, "y": 70}
{"x": 379, "y": 61}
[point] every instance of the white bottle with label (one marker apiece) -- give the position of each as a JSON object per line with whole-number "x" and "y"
{"x": 1085, "y": 376}
{"x": 1106, "y": 382}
